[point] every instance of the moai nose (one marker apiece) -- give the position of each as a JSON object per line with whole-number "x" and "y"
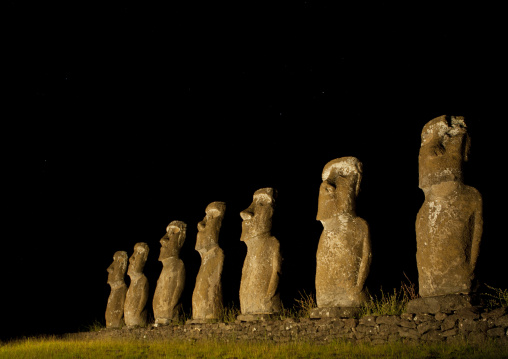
{"x": 247, "y": 214}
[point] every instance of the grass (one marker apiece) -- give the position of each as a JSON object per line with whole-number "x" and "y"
{"x": 52, "y": 347}
{"x": 390, "y": 303}
{"x": 301, "y": 307}
{"x": 496, "y": 298}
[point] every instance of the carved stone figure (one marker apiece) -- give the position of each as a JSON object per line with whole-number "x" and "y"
{"x": 207, "y": 295}
{"x": 449, "y": 224}
{"x": 172, "y": 278}
{"x": 259, "y": 296}
{"x": 116, "y": 299}
{"x": 137, "y": 294}
{"x": 344, "y": 250}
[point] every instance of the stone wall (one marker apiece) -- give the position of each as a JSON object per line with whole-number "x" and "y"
{"x": 472, "y": 324}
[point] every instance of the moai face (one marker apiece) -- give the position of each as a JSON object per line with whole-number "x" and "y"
{"x": 340, "y": 186}
{"x": 209, "y": 227}
{"x": 173, "y": 240}
{"x": 138, "y": 259}
{"x": 444, "y": 149}
{"x": 117, "y": 269}
{"x": 257, "y": 219}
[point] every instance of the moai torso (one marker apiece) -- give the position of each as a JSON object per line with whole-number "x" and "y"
{"x": 344, "y": 253}
{"x": 172, "y": 278}
{"x": 207, "y": 295}
{"x": 137, "y": 295}
{"x": 449, "y": 223}
{"x": 116, "y": 299}
{"x": 262, "y": 265}
{"x": 260, "y": 277}
{"x": 340, "y": 256}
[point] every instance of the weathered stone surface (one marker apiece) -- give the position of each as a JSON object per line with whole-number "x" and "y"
{"x": 449, "y": 223}
{"x": 368, "y": 320}
{"x": 116, "y": 300}
{"x": 428, "y": 325}
{"x": 388, "y": 319}
{"x": 468, "y": 312}
{"x": 207, "y": 295}
{"x": 350, "y": 323}
{"x": 407, "y": 324}
{"x": 135, "y": 313}
{"x": 502, "y": 321}
{"x": 450, "y": 333}
{"x": 388, "y": 329}
{"x": 439, "y": 304}
{"x": 344, "y": 250}
{"x": 334, "y": 312}
{"x": 423, "y": 317}
{"x": 432, "y": 336}
{"x": 259, "y": 284}
{"x": 408, "y": 333}
{"x": 449, "y": 322}
{"x": 172, "y": 278}
{"x": 254, "y": 317}
{"x": 496, "y": 332}
{"x": 495, "y": 313}
{"x": 440, "y": 316}
{"x": 467, "y": 325}
{"x": 407, "y": 316}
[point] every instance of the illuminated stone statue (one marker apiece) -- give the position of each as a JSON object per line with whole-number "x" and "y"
{"x": 207, "y": 295}
{"x": 449, "y": 223}
{"x": 172, "y": 278}
{"x": 344, "y": 250}
{"x": 116, "y": 300}
{"x": 259, "y": 297}
{"x": 137, "y": 294}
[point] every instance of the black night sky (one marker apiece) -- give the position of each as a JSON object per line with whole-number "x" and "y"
{"x": 125, "y": 116}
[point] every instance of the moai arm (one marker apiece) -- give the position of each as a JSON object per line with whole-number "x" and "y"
{"x": 366, "y": 257}
{"x": 180, "y": 281}
{"x": 477, "y": 233}
{"x": 276, "y": 268}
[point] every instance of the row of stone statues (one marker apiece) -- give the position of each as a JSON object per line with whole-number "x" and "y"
{"x": 448, "y": 234}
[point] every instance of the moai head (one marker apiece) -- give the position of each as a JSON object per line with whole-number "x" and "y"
{"x": 173, "y": 240}
{"x": 444, "y": 149}
{"x": 341, "y": 184}
{"x": 209, "y": 227}
{"x": 138, "y": 259}
{"x": 118, "y": 268}
{"x": 257, "y": 219}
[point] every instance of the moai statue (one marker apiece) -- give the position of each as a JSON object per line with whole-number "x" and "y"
{"x": 344, "y": 251}
{"x": 172, "y": 278}
{"x": 259, "y": 296}
{"x": 449, "y": 223}
{"x": 207, "y": 295}
{"x": 137, "y": 294}
{"x": 116, "y": 300}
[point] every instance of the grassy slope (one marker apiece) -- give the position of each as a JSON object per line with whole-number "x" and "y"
{"x": 58, "y": 348}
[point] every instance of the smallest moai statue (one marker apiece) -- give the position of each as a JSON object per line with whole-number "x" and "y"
{"x": 116, "y": 300}
{"x": 135, "y": 302}
{"x": 172, "y": 278}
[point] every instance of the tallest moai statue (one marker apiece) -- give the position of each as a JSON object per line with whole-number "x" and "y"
{"x": 449, "y": 223}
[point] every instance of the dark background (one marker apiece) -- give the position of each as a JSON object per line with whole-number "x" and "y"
{"x": 125, "y": 116}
